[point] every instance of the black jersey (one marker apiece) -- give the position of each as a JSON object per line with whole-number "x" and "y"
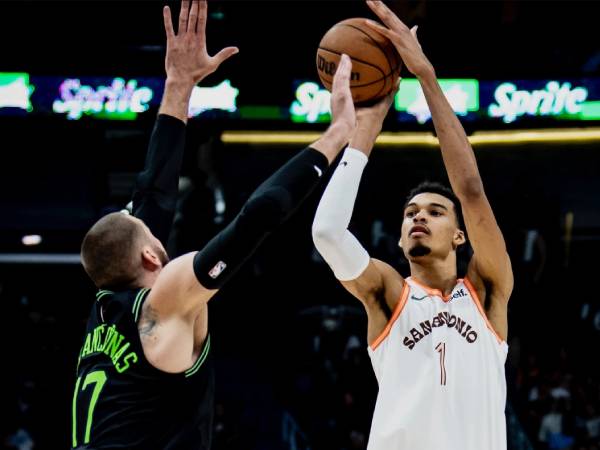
{"x": 121, "y": 401}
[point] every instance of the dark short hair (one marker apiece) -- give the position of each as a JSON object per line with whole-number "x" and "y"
{"x": 108, "y": 251}
{"x": 434, "y": 187}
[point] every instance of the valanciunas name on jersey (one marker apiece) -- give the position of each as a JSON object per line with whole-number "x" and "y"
{"x": 443, "y": 318}
{"x": 110, "y": 342}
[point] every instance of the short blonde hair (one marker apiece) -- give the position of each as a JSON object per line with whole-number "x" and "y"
{"x": 108, "y": 251}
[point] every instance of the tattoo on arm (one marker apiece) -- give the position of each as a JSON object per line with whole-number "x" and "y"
{"x": 149, "y": 320}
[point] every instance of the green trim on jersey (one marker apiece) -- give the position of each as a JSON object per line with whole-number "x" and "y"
{"x": 138, "y": 302}
{"x": 102, "y": 292}
{"x": 192, "y": 370}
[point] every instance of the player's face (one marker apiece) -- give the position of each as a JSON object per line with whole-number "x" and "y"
{"x": 429, "y": 227}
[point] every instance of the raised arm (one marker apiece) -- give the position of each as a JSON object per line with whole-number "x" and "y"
{"x": 178, "y": 298}
{"x": 172, "y": 325}
{"x": 186, "y": 64}
{"x": 367, "y": 279}
{"x": 491, "y": 261}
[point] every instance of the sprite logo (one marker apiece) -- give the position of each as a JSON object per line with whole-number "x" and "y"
{"x": 553, "y": 100}
{"x": 312, "y": 104}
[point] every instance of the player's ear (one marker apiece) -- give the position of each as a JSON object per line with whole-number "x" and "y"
{"x": 150, "y": 259}
{"x": 459, "y": 239}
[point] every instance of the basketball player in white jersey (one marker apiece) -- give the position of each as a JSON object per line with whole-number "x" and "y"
{"x": 437, "y": 343}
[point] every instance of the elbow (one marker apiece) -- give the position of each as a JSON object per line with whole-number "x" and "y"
{"x": 325, "y": 235}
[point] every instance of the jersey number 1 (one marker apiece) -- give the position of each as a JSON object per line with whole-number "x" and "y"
{"x": 441, "y": 349}
{"x": 98, "y": 378}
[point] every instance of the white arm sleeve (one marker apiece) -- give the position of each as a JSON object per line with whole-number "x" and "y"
{"x": 342, "y": 251}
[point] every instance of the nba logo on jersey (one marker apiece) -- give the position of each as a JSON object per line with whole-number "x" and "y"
{"x": 217, "y": 270}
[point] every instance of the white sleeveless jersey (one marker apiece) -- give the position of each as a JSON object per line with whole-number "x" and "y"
{"x": 440, "y": 369}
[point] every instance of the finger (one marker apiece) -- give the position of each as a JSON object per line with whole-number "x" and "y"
{"x": 385, "y": 14}
{"x": 224, "y": 54}
{"x": 183, "y": 16}
{"x": 341, "y": 78}
{"x": 395, "y": 90}
{"x": 413, "y": 31}
{"x": 168, "y": 22}
{"x": 202, "y": 14}
{"x": 379, "y": 28}
{"x": 396, "y": 87}
{"x": 388, "y": 100}
{"x": 193, "y": 20}
{"x": 392, "y": 94}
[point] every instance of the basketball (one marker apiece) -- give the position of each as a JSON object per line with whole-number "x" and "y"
{"x": 375, "y": 62}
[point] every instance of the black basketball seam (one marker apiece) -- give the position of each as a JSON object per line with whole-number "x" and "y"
{"x": 376, "y": 43}
{"x": 391, "y": 74}
{"x": 366, "y": 84}
{"x": 355, "y": 59}
{"x": 383, "y": 75}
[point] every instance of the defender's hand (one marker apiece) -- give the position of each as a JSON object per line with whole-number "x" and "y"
{"x": 187, "y": 57}
{"x": 343, "y": 114}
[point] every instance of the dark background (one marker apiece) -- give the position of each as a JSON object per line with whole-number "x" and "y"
{"x": 289, "y": 341}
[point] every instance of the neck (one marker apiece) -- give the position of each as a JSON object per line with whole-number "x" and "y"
{"x": 145, "y": 280}
{"x": 435, "y": 273}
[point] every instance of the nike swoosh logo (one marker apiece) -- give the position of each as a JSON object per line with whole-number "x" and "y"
{"x": 344, "y": 163}
{"x": 319, "y": 171}
{"x": 418, "y": 299}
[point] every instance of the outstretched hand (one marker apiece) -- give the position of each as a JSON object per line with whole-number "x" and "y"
{"x": 187, "y": 57}
{"x": 343, "y": 113}
{"x": 404, "y": 39}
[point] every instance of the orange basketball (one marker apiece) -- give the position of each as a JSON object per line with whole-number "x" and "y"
{"x": 375, "y": 62}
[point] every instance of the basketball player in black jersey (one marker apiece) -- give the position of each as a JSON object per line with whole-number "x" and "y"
{"x": 144, "y": 376}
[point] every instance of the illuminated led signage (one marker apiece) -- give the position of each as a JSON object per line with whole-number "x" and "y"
{"x": 119, "y": 100}
{"x": 462, "y": 94}
{"x": 15, "y": 91}
{"x": 222, "y": 96}
{"x": 486, "y": 103}
{"x": 311, "y": 104}
{"x": 555, "y": 99}
{"x": 312, "y": 101}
